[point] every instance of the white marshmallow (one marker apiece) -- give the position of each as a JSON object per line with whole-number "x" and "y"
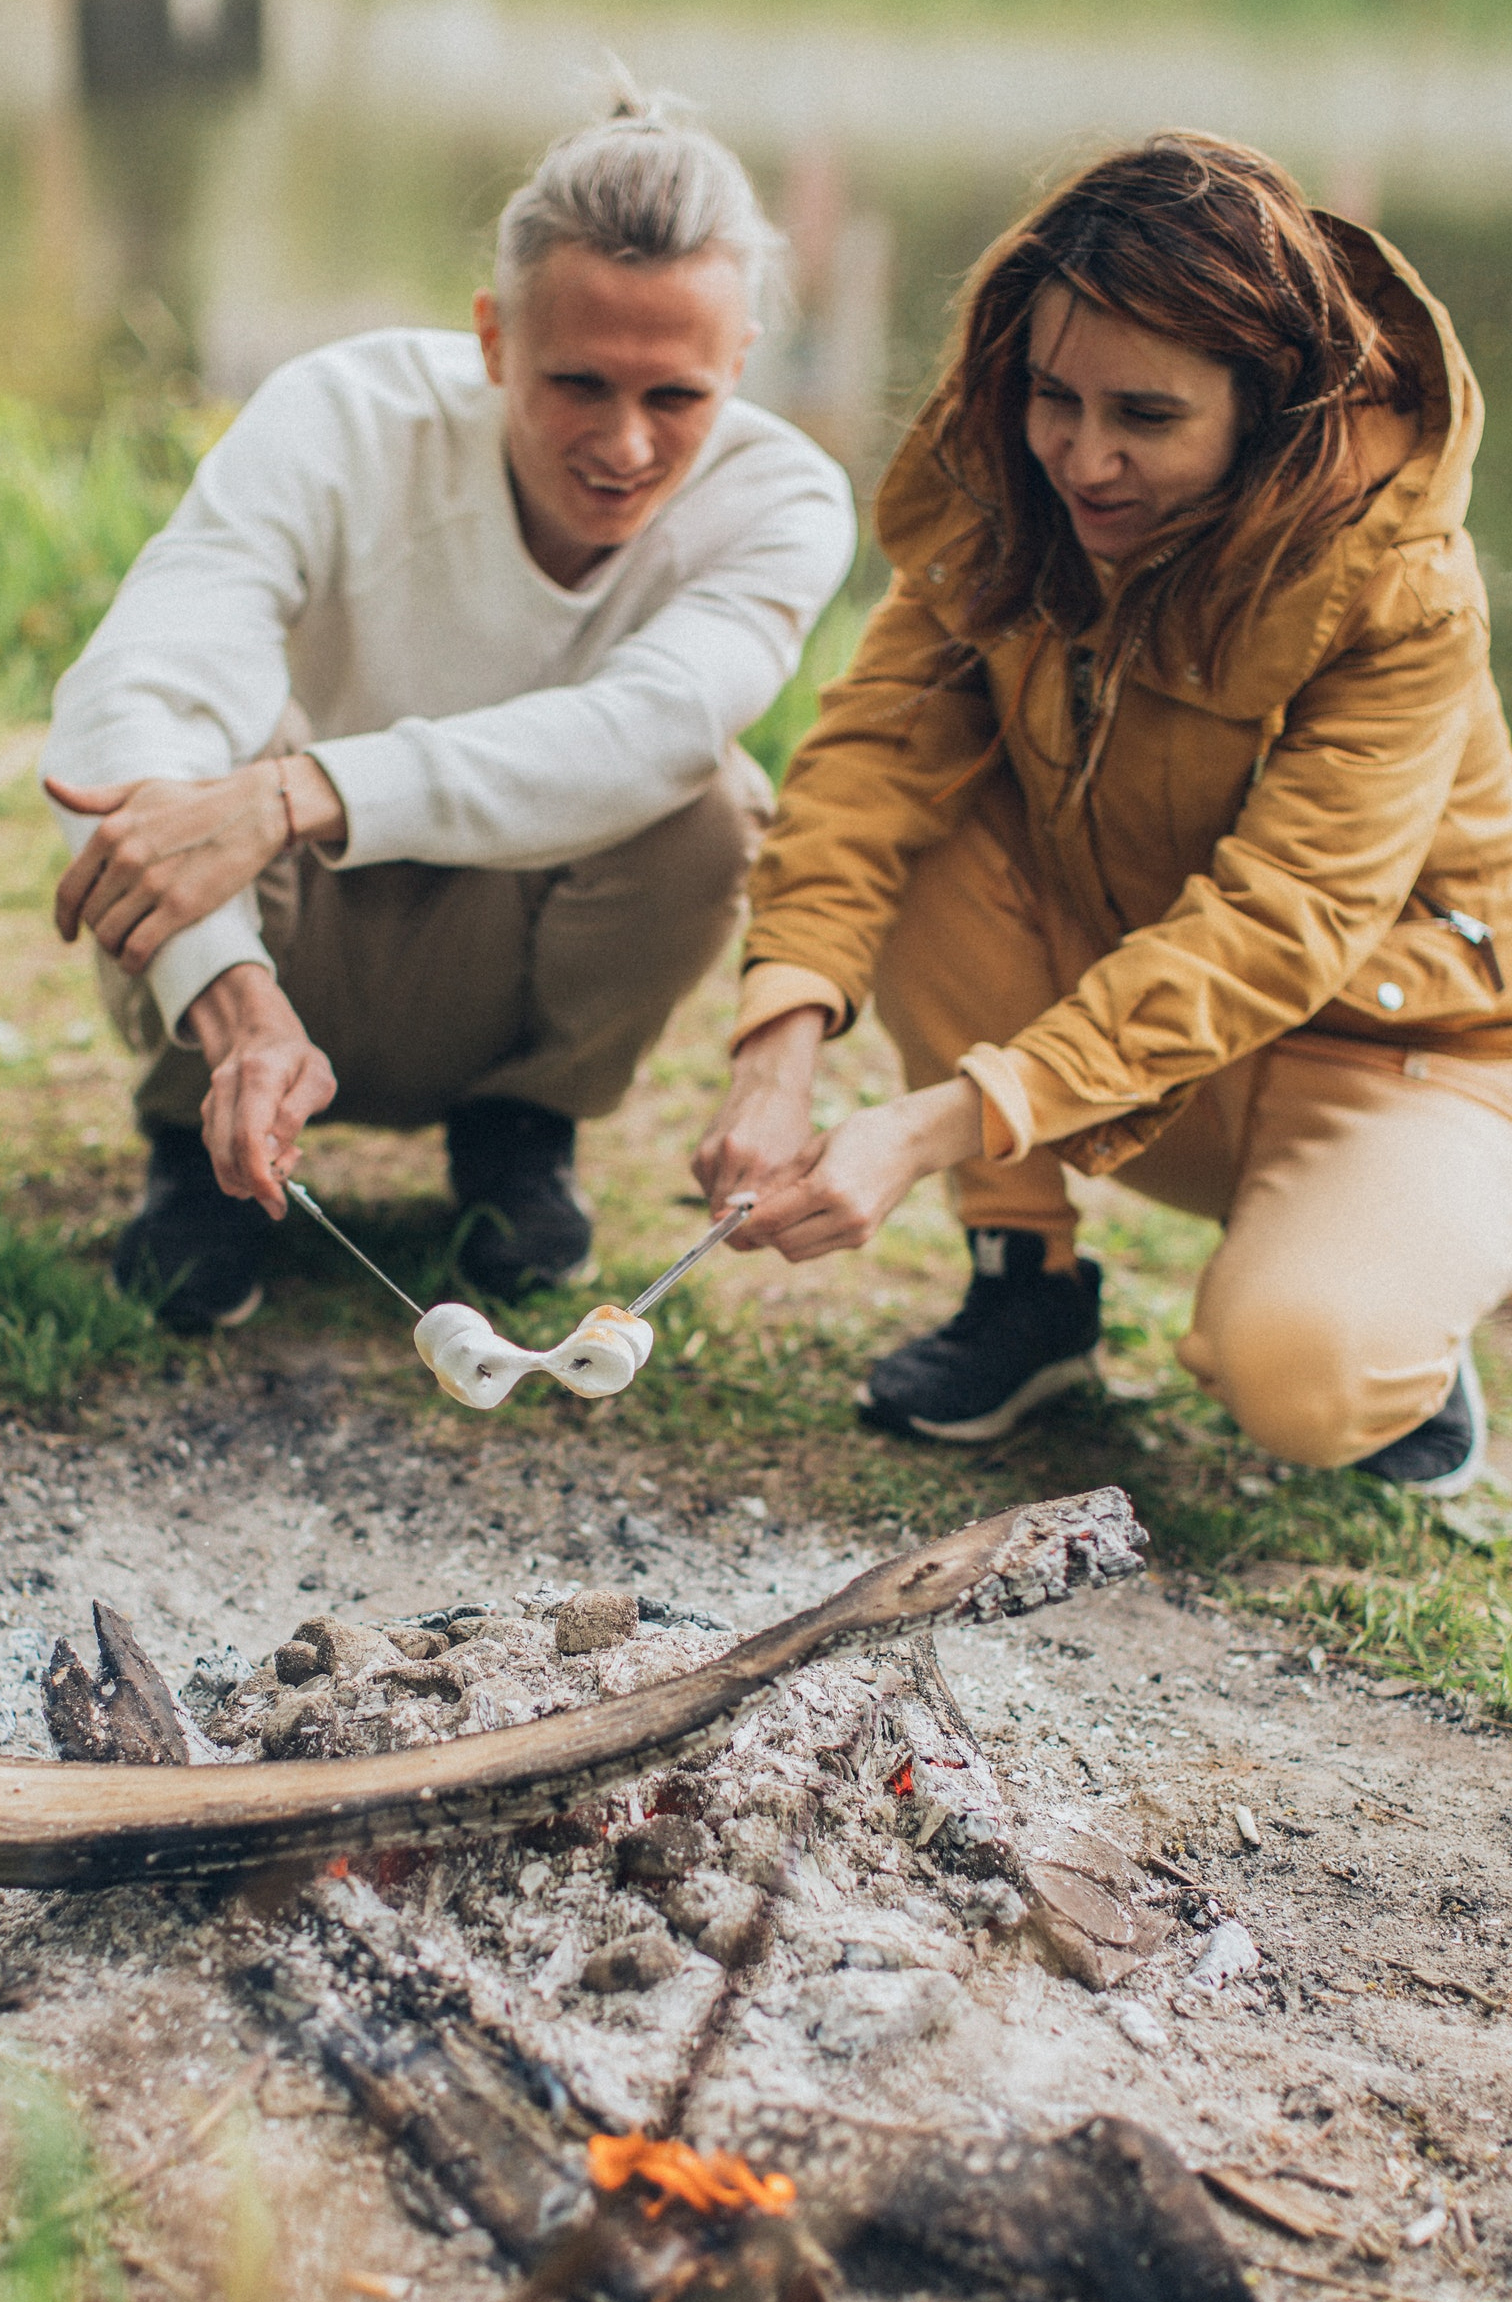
{"x": 602, "y": 1355}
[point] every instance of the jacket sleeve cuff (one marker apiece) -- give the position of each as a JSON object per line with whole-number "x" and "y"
{"x": 772, "y": 988}
{"x": 1025, "y": 1103}
{"x": 195, "y": 956}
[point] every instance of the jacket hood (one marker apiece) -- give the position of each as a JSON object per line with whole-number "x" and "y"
{"x": 927, "y": 526}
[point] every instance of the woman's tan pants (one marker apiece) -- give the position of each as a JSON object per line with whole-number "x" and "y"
{"x": 1366, "y": 1193}
{"x": 427, "y": 988}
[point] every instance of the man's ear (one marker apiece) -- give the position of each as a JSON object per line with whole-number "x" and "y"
{"x": 754, "y": 331}
{"x": 489, "y": 327}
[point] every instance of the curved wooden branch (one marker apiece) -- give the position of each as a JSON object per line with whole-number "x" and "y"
{"x": 91, "y": 1826}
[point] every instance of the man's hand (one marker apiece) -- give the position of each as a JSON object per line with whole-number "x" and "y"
{"x": 168, "y": 853}
{"x": 842, "y": 1186}
{"x": 266, "y": 1080}
{"x": 764, "y": 1121}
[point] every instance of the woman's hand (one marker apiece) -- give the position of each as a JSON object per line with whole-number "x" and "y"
{"x": 167, "y": 853}
{"x": 266, "y": 1079}
{"x": 764, "y": 1120}
{"x": 843, "y": 1185}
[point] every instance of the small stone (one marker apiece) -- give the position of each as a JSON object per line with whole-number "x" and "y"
{"x": 755, "y": 1848}
{"x": 993, "y": 1902}
{"x": 1229, "y": 1951}
{"x": 849, "y": 2015}
{"x": 1426, "y": 2228}
{"x": 635, "y": 1962}
{"x": 416, "y": 1645}
{"x": 304, "y": 1725}
{"x": 342, "y": 1649}
{"x": 1141, "y": 2029}
{"x": 295, "y": 1661}
{"x": 595, "y": 1619}
{"x": 720, "y": 1914}
{"x": 662, "y": 1851}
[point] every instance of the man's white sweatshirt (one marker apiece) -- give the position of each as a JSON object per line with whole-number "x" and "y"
{"x": 352, "y": 543}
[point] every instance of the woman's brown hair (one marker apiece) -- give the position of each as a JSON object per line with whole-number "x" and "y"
{"x": 1212, "y": 244}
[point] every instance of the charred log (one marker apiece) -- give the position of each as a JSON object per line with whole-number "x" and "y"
{"x": 85, "y": 1827}
{"x": 1106, "y": 2213}
{"x": 508, "y": 2146}
{"x": 123, "y": 1716}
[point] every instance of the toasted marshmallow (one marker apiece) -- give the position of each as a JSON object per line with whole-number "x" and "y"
{"x": 602, "y": 1355}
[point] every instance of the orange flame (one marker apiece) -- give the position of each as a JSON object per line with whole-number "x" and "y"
{"x": 677, "y": 2171}
{"x": 901, "y": 1784}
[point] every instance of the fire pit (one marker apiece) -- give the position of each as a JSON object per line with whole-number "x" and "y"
{"x": 750, "y": 1899}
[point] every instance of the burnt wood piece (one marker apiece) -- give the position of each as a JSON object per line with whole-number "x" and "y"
{"x": 125, "y": 1716}
{"x": 1106, "y": 2213}
{"x": 466, "y": 2113}
{"x": 88, "y": 1826}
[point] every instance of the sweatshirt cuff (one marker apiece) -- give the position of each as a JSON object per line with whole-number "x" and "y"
{"x": 195, "y": 956}
{"x": 773, "y": 987}
{"x": 379, "y": 782}
{"x": 1026, "y": 1103}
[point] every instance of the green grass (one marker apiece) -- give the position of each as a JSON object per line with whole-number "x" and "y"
{"x": 77, "y": 503}
{"x": 61, "y": 1323}
{"x": 54, "y": 2246}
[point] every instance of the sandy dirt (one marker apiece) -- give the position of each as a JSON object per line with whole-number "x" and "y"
{"x": 1371, "y": 2096}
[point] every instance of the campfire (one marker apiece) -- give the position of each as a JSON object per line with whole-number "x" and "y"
{"x": 661, "y": 1952}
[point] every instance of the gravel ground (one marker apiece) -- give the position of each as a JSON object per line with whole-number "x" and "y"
{"x": 1384, "y": 1827}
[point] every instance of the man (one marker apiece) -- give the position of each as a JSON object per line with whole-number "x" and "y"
{"x": 517, "y": 597}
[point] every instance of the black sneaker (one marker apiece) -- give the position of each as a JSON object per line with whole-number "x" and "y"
{"x": 190, "y": 1250}
{"x": 511, "y": 1168}
{"x": 1022, "y": 1335}
{"x": 1446, "y": 1454}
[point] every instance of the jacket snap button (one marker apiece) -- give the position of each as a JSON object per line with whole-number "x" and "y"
{"x": 936, "y": 571}
{"x": 1392, "y": 996}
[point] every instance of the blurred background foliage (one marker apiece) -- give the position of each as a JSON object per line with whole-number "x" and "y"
{"x": 284, "y": 173}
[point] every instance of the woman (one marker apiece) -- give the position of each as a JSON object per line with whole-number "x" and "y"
{"x": 1167, "y": 808}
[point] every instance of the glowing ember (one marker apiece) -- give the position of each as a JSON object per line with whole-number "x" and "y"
{"x": 677, "y": 2171}
{"x": 901, "y": 1784}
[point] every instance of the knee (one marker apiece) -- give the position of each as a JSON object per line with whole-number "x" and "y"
{"x": 1292, "y": 1375}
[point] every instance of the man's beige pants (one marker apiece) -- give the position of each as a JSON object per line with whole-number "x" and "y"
{"x": 1366, "y": 1192}
{"x": 427, "y": 988}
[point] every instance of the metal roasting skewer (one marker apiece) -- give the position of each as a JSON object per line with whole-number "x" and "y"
{"x": 298, "y": 1192}
{"x": 740, "y": 1208}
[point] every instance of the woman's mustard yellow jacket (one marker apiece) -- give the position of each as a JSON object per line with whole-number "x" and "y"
{"x": 1317, "y": 839}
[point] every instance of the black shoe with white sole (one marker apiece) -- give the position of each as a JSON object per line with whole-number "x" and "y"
{"x": 1022, "y": 1335}
{"x": 194, "y": 1253}
{"x": 511, "y": 1168}
{"x": 1446, "y": 1454}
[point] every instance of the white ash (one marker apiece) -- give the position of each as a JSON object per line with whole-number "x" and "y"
{"x": 815, "y": 1906}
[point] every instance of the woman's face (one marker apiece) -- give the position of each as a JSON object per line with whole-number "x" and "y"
{"x": 1130, "y": 427}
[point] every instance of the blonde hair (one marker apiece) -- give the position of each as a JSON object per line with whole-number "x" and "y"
{"x": 644, "y": 186}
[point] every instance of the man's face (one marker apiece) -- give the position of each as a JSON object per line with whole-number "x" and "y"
{"x": 614, "y": 373}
